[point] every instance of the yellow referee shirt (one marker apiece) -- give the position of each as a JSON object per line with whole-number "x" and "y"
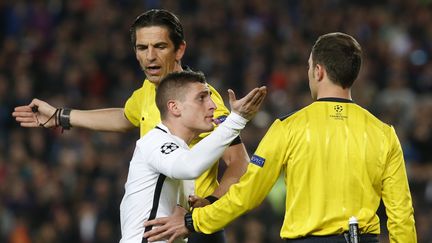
{"x": 140, "y": 109}
{"x": 338, "y": 161}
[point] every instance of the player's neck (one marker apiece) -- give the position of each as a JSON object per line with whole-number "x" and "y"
{"x": 181, "y": 131}
{"x": 177, "y": 67}
{"x": 334, "y": 91}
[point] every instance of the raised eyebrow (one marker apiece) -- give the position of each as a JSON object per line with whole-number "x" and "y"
{"x": 158, "y": 44}
{"x": 140, "y": 46}
{"x": 161, "y": 44}
{"x": 204, "y": 92}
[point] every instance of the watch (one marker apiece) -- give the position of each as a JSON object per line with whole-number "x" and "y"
{"x": 189, "y": 222}
{"x": 64, "y": 118}
{"x": 211, "y": 199}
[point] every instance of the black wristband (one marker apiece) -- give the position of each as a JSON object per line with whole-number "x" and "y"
{"x": 211, "y": 199}
{"x": 64, "y": 118}
{"x": 189, "y": 222}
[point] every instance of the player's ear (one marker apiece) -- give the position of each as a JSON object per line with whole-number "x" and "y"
{"x": 319, "y": 72}
{"x": 174, "y": 107}
{"x": 180, "y": 51}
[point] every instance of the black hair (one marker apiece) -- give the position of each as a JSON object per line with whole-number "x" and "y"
{"x": 341, "y": 55}
{"x": 173, "y": 86}
{"x": 162, "y": 18}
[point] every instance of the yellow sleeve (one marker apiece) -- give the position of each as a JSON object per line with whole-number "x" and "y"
{"x": 132, "y": 108}
{"x": 263, "y": 171}
{"x": 396, "y": 196}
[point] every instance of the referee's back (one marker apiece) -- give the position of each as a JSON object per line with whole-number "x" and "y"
{"x": 341, "y": 161}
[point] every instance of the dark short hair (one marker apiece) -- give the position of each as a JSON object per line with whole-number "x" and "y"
{"x": 174, "y": 86}
{"x": 341, "y": 55}
{"x": 162, "y": 18}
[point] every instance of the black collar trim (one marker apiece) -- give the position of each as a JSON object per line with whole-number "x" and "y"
{"x": 334, "y": 99}
{"x": 161, "y": 129}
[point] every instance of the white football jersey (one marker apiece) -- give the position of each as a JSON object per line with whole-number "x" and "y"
{"x": 160, "y": 162}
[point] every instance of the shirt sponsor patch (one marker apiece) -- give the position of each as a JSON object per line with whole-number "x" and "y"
{"x": 257, "y": 160}
{"x": 167, "y": 148}
{"x": 219, "y": 119}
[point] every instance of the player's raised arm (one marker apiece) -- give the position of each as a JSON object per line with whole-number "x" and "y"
{"x": 189, "y": 164}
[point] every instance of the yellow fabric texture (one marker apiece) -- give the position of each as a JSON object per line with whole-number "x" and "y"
{"x": 140, "y": 109}
{"x": 337, "y": 160}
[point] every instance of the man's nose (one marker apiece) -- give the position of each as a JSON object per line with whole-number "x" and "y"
{"x": 212, "y": 105}
{"x": 151, "y": 54}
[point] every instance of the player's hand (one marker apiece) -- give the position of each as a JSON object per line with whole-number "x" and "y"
{"x": 169, "y": 228}
{"x": 249, "y": 105}
{"x": 197, "y": 202}
{"x": 35, "y": 114}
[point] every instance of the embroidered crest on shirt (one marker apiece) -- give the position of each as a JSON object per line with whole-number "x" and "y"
{"x": 338, "y": 114}
{"x": 338, "y": 108}
{"x": 167, "y": 148}
{"x": 256, "y": 160}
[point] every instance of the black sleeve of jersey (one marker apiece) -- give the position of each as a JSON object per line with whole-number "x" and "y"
{"x": 236, "y": 141}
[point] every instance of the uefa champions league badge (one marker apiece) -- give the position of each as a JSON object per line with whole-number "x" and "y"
{"x": 219, "y": 119}
{"x": 169, "y": 147}
{"x": 256, "y": 160}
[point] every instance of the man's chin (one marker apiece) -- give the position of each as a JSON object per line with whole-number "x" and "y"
{"x": 155, "y": 79}
{"x": 207, "y": 129}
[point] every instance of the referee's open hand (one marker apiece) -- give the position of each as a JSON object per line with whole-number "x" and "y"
{"x": 249, "y": 105}
{"x": 35, "y": 114}
{"x": 168, "y": 228}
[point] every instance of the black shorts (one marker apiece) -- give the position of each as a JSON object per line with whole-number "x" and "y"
{"x": 365, "y": 238}
{"x": 217, "y": 237}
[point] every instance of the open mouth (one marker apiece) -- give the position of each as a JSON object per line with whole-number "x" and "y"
{"x": 153, "y": 69}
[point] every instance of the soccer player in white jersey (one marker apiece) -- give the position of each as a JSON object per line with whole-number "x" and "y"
{"x": 162, "y": 157}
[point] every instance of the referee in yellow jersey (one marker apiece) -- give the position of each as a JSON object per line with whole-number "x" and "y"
{"x": 338, "y": 161}
{"x": 159, "y": 44}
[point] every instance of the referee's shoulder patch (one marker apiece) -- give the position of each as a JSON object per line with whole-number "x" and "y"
{"x": 256, "y": 160}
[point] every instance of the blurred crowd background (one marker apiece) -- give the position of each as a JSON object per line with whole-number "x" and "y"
{"x": 66, "y": 187}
